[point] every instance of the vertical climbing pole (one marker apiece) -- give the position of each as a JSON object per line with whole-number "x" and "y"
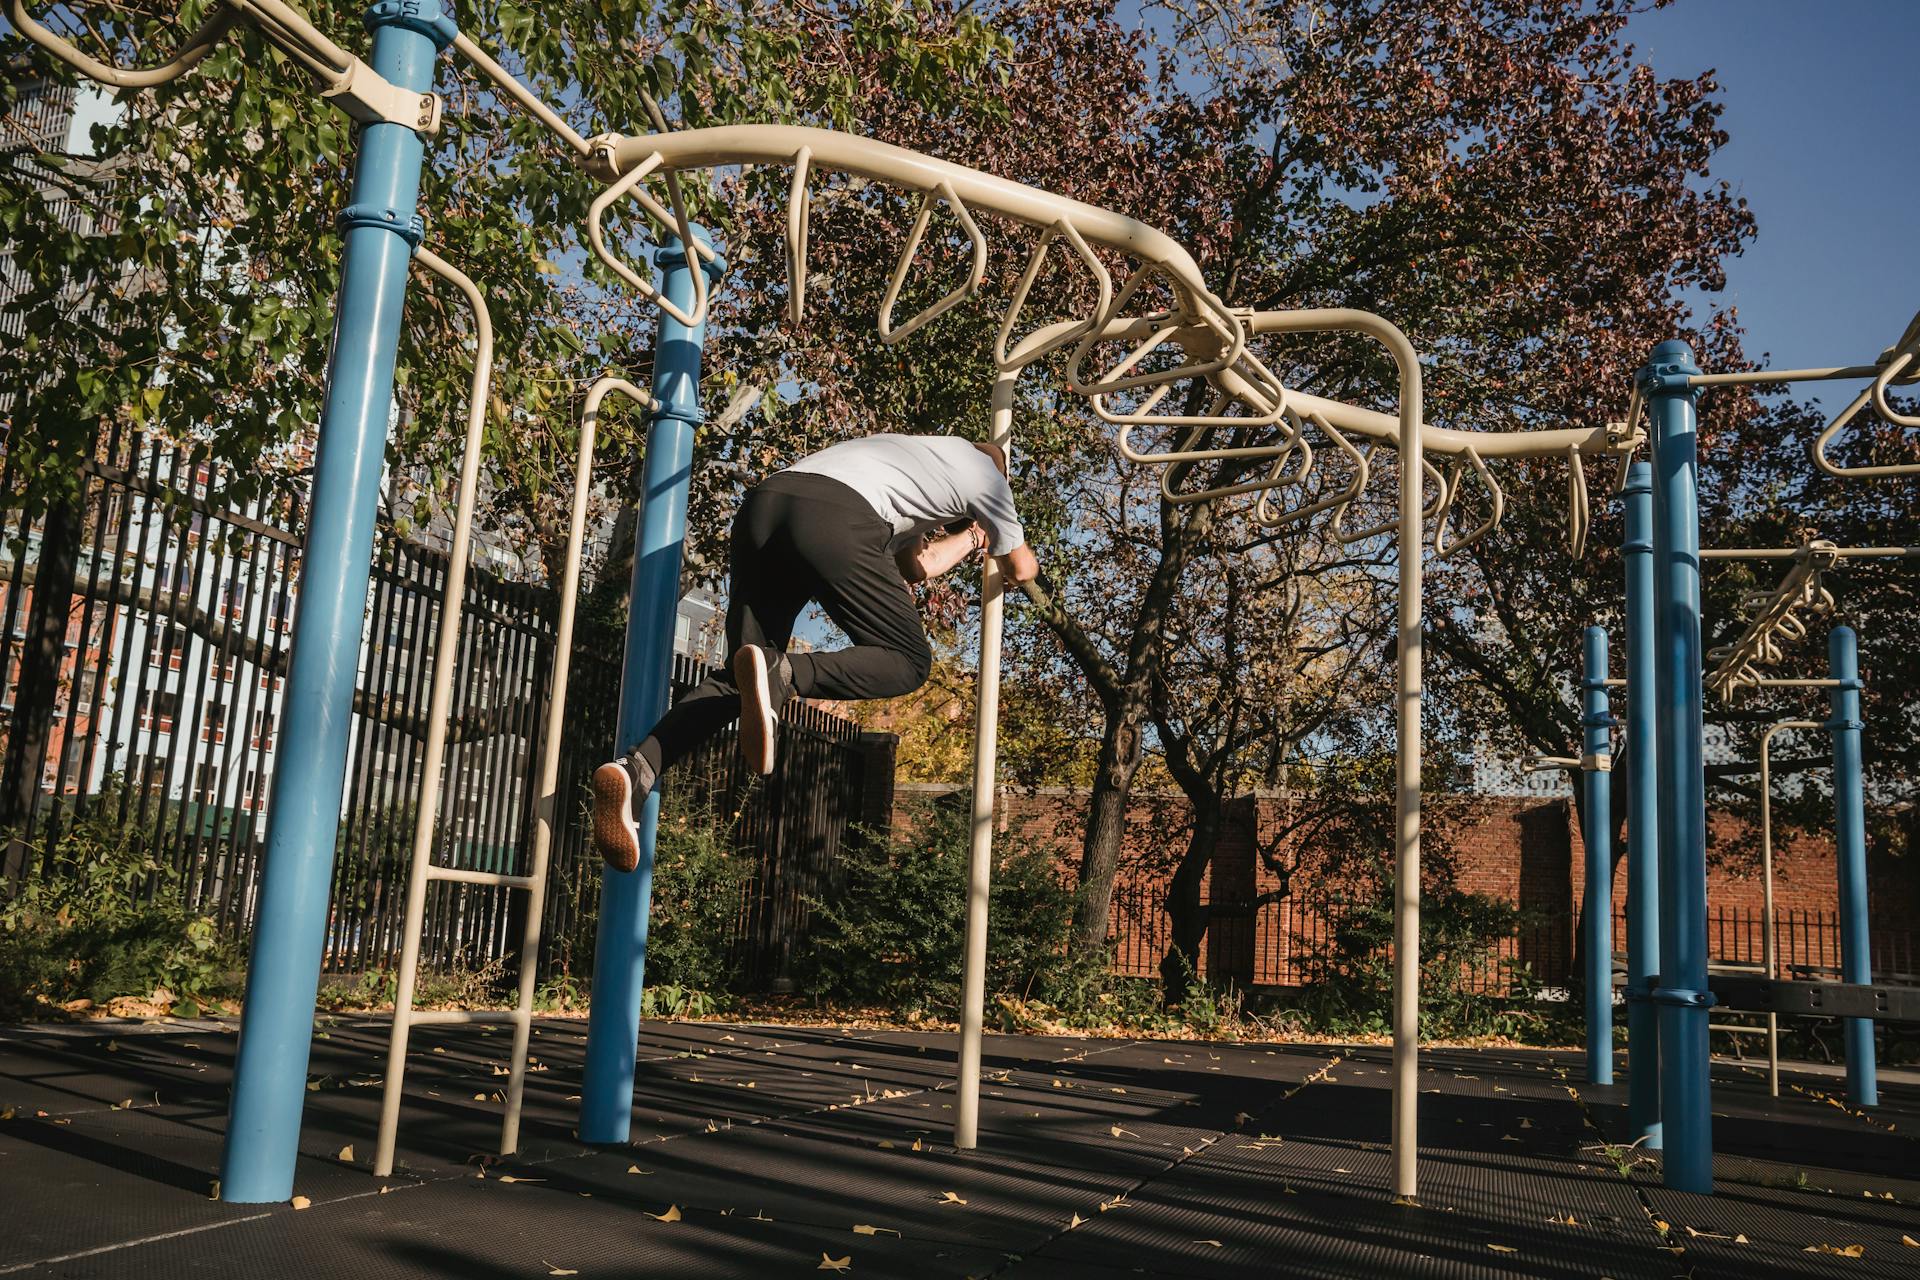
{"x": 986, "y": 728}
{"x": 1643, "y": 816}
{"x": 1596, "y": 908}
{"x": 1682, "y": 996}
{"x": 276, "y": 1033}
{"x": 620, "y": 947}
{"x": 1850, "y": 840}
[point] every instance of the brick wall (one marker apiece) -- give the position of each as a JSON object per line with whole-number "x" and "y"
{"x": 1520, "y": 849}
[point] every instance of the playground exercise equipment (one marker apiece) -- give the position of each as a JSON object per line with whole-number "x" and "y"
{"x": 1130, "y": 355}
{"x": 1669, "y": 1099}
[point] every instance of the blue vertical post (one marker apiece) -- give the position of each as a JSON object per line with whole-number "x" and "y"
{"x": 1643, "y": 816}
{"x": 1596, "y": 908}
{"x": 1682, "y": 996}
{"x": 276, "y": 1030}
{"x": 620, "y": 947}
{"x": 1850, "y": 839}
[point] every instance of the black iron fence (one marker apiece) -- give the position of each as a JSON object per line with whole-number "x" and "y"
{"x": 144, "y": 628}
{"x": 1280, "y": 943}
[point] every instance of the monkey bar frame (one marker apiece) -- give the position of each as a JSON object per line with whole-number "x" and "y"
{"x": 1195, "y": 336}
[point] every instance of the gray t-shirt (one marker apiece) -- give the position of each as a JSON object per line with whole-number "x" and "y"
{"x": 919, "y": 483}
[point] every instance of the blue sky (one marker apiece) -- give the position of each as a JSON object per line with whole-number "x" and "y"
{"x": 1820, "y": 103}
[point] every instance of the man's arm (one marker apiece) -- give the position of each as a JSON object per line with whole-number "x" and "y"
{"x": 1020, "y": 564}
{"x": 931, "y": 557}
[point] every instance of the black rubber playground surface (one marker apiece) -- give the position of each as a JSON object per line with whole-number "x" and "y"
{"x": 780, "y": 1151}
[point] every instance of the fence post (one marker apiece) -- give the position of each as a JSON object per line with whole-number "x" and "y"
{"x": 1596, "y": 911}
{"x": 1682, "y": 996}
{"x": 276, "y": 1033}
{"x": 1643, "y": 815}
{"x": 1850, "y": 841}
{"x": 620, "y": 945}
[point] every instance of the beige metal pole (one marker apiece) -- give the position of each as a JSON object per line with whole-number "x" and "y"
{"x": 986, "y": 731}
{"x": 452, "y": 601}
{"x": 1406, "y": 872}
{"x": 546, "y": 801}
{"x": 1769, "y": 954}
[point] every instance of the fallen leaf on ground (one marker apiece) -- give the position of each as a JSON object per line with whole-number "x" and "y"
{"x": 1910, "y": 1242}
{"x": 951, "y": 1197}
{"x": 511, "y": 1178}
{"x": 671, "y": 1215}
{"x": 634, "y": 1168}
{"x": 346, "y": 1153}
{"x": 1502, "y": 1248}
{"x": 301, "y": 1202}
{"x": 1215, "y": 1243}
{"x": 1564, "y": 1219}
{"x": 1838, "y": 1251}
{"x": 558, "y": 1271}
{"x": 1118, "y": 1132}
{"x": 1077, "y": 1220}
{"x": 215, "y": 1193}
{"x": 864, "y": 1229}
{"x": 835, "y": 1264}
{"x": 1707, "y": 1235}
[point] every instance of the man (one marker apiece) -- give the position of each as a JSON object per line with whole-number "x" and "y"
{"x": 850, "y": 527}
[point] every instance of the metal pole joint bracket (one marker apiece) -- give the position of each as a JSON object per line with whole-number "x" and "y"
{"x": 1680, "y": 997}
{"x": 1838, "y": 724}
{"x": 424, "y": 17}
{"x": 411, "y": 228}
{"x": 1598, "y": 761}
{"x": 371, "y": 98}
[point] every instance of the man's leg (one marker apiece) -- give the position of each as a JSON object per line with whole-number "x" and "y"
{"x": 839, "y": 546}
{"x": 764, "y": 598}
{"x": 859, "y": 585}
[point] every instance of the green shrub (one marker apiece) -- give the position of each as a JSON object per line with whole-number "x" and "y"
{"x": 101, "y": 918}
{"x": 1349, "y": 990}
{"x": 893, "y": 931}
{"x": 699, "y": 891}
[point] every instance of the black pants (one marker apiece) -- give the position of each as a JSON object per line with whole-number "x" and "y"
{"x": 798, "y": 538}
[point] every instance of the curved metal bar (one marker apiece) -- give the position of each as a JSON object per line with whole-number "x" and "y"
{"x": 1025, "y": 353}
{"x": 1350, "y": 536}
{"x": 976, "y": 273}
{"x": 528, "y": 100}
{"x": 1900, "y": 356}
{"x": 799, "y": 209}
{"x": 1200, "y": 310}
{"x": 1442, "y": 548}
{"x": 1276, "y": 477}
{"x": 439, "y": 706}
{"x": 196, "y": 48}
{"x": 1263, "y": 513}
{"x": 629, "y": 183}
{"x": 1579, "y": 512}
{"x": 1202, "y": 427}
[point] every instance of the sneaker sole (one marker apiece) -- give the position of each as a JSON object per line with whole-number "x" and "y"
{"x": 756, "y": 709}
{"x": 615, "y": 836}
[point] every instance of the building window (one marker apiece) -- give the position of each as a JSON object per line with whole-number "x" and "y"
{"x": 215, "y": 722}
{"x": 161, "y": 709}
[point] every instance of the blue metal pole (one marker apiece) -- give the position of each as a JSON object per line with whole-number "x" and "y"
{"x": 1596, "y": 909}
{"x": 1643, "y": 816}
{"x": 620, "y": 947}
{"x": 1682, "y": 996}
{"x": 1850, "y": 839}
{"x": 276, "y": 1031}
